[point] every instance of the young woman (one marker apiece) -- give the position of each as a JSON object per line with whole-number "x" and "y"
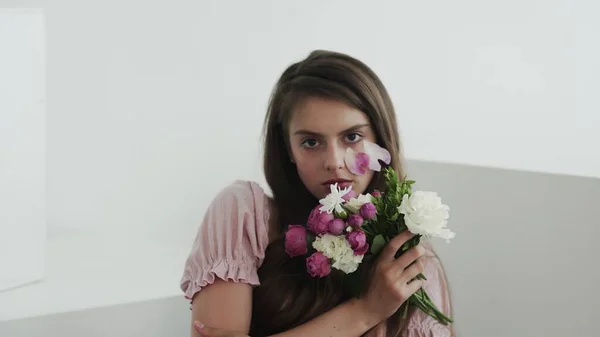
{"x": 238, "y": 277}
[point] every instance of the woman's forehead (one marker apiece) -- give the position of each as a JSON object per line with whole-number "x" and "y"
{"x": 325, "y": 116}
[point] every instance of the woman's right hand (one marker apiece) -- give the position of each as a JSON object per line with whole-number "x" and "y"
{"x": 389, "y": 284}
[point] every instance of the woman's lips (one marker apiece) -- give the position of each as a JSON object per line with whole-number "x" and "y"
{"x": 342, "y": 183}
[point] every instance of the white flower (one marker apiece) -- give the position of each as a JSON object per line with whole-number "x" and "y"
{"x": 425, "y": 214}
{"x": 337, "y": 248}
{"x": 333, "y": 201}
{"x": 354, "y": 204}
{"x": 331, "y": 245}
{"x": 348, "y": 263}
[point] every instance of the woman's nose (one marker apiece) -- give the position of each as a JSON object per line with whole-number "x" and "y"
{"x": 334, "y": 158}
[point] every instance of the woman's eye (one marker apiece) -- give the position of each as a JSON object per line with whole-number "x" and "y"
{"x": 310, "y": 143}
{"x": 353, "y": 137}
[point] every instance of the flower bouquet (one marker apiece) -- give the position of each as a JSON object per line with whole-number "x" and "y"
{"x": 346, "y": 228}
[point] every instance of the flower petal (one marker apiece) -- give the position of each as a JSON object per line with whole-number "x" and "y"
{"x": 376, "y": 153}
{"x": 356, "y": 162}
{"x": 351, "y": 194}
{"x": 446, "y": 234}
{"x": 334, "y": 199}
{"x": 363, "y": 250}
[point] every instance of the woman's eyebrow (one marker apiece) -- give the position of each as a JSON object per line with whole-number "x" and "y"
{"x": 312, "y": 133}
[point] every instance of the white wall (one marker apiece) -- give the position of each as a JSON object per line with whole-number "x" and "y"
{"x": 146, "y": 100}
{"x": 22, "y": 148}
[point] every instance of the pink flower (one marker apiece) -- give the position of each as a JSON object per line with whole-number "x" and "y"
{"x": 318, "y": 265}
{"x": 295, "y": 240}
{"x": 336, "y": 226}
{"x": 376, "y": 194}
{"x": 351, "y": 194}
{"x": 363, "y": 250}
{"x": 359, "y": 162}
{"x": 358, "y": 242}
{"x": 318, "y": 222}
{"x": 368, "y": 211}
{"x": 355, "y": 221}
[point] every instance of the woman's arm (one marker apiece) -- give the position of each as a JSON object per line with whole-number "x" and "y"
{"x": 223, "y": 305}
{"x": 391, "y": 285}
{"x": 347, "y": 319}
{"x": 225, "y": 308}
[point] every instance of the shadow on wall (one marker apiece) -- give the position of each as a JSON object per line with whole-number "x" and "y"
{"x": 524, "y": 252}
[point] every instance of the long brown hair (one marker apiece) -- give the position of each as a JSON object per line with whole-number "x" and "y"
{"x": 287, "y": 296}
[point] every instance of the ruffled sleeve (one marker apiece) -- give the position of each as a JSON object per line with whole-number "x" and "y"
{"x": 421, "y": 324}
{"x": 231, "y": 241}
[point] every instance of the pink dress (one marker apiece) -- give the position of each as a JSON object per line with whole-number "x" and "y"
{"x": 231, "y": 243}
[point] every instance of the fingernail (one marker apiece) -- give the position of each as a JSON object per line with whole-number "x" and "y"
{"x": 199, "y": 325}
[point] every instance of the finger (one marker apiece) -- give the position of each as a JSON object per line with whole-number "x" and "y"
{"x": 206, "y": 331}
{"x": 389, "y": 252}
{"x": 412, "y": 271}
{"x": 200, "y": 328}
{"x": 410, "y": 256}
{"x": 413, "y": 287}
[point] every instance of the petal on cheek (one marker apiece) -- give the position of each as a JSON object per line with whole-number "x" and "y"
{"x": 376, "y": 153}
{"x": 356, "y": 162}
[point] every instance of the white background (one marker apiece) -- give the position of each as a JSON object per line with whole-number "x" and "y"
{"x": 154, "y": 106}
{"x": 22, "y": 148}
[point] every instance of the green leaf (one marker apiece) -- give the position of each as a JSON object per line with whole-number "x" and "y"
{"x": 341, "y": 215}
{"x": 378, "y": 244}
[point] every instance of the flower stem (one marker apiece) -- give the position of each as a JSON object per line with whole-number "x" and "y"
{"x": 422, "y": 301}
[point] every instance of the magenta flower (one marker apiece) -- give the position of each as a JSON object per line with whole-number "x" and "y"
{"x": 351, "y": 194}
{"x": 336, "y": 226}
{"x": 358, "y": 242}
{"x": 318, "y": 222}
{"x": 318, "y": 265}
{"x": 355, "y": 221}
{"x": 368, "y": 211}
{"x": 295, "y": 240}
{"x": 359, "y": 162}
{"x": 376, "y": 194}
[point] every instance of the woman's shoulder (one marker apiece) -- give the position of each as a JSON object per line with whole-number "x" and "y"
{"x": 245, "y": 195}
{"x": 239, "y": 203}
{"x": 232, "y": 238}
{"x": 241, "y": 190}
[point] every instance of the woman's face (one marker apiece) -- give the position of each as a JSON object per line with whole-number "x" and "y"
{"x": 320, "y": 131}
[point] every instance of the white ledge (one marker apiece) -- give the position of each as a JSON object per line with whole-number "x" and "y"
{"x": 91, "y": 270}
